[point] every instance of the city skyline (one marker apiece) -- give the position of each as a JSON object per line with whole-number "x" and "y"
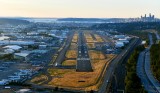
{"x": 79, "y": 8}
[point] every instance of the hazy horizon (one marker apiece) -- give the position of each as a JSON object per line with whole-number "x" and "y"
{"x": 79, "y": 8}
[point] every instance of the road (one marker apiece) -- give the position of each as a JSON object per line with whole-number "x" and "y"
{"x": 120, "y": 72}
{"x": 157, "y": 35}
{"x": 83, "y": 60}
{"x": 144, "y": 71}
{"x": 141, "y": 73}
{"x": 109, "y": 73}
{"x": 58, "y": 62}
{"x": 61, "y": 56}
{"x": 149, "y": 74}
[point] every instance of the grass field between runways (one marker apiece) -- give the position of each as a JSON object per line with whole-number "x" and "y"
{"x": 71, "y": 54}
{"x": 69, "y": 62}
{"x": 96, "y": 55}
{"x": 69, "y": 78}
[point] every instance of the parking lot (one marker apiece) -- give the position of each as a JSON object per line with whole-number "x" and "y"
{"x": 10, "y": 68}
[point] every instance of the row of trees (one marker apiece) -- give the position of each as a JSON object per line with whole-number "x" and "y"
{"x": 132, "y": 81}
{"x": 155, "y": 60}
{"x": 13, "y": 21}
{"x": 127, "y": 27}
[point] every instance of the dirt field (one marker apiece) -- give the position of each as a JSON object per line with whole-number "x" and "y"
{"x": 91, "y": 45}
{"x": 73, "y": 46}
{"x": 71, "y": 54}
{"x": 79, "y": 80}
{"x": 98, "y": 38}
{"x": 7, "y": 91}
{"x": 96, "y": 55}
{"x": 69, "y": 62}
{"x": 75, "y": 38}
{"x": 39, "y": 79}
{"x": 89, "y": 38}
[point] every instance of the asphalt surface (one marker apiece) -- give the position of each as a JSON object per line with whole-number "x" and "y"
{"x": 120, "y": 72}
{"x": 61, "y": 56}
{"x": 149, "y": 74}
{"x": 144, "y": 71}
{"x": 141, "y": 73}
{"x": 109, "y": 73}
{"x": 83, "y": 60}
{"x": 94, "y": 38}
{"x": 157, "y": 35}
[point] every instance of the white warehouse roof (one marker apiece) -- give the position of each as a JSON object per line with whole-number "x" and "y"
{"x": 14, "y": 47}
{"x": 22, "y": 54}
{"x": 4, "y": 37}
{"x": 6, "y": 42}
{"x": 120, "y": 36}
{"x": 119, "y": 44}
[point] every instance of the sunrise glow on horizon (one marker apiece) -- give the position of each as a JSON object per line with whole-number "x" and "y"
{"x": 79, "y": 8}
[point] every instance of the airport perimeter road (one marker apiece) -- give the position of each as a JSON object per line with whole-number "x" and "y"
{"x": 112, "y": 66}
{"x": 61, "y": 56}
{"x": 83, "y": 60}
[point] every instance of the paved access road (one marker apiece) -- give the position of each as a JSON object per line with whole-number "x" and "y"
{"x": 83, "y": 60}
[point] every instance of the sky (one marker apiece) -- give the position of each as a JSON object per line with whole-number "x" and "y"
{"x": 79, "y": 8}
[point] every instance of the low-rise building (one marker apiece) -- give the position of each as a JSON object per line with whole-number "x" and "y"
{"x": 119, "y": 44}
{"x": 21, "y": 56}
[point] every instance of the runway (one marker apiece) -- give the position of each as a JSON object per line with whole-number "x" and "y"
{"x": 83, "y": 60}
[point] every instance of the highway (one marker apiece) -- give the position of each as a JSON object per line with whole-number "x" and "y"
{"x": 144, "y": 71}
{"x": 157, "y": 35}
{"x": 141, "y": 73}
{"x": 83, "y": 59}
{"x": 112, "y": 66}
{"x": 149, "y": 74}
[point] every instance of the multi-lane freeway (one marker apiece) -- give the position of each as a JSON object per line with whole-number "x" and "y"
{"x": 141, "y": 73}
{"x": 83, "y": 60}
{"x": 157, "y": 35}
{"x": 109, "y": 73}
{"x": 144, "y": 70}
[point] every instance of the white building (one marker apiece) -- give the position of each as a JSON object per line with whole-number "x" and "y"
{"x": 9, "y": 51}
{"x": 124, "y": 41}
{"x": 119, "y": 44}
{"x": 13, "y": 47}
{"x": 24, "y": 91}
{"x": 4, "y": 82}
{"x": 120, "y": 36}
{"x": 21, "y": 56}
{"x": 3, "y": 38}
{"x": 42, "y": 46}
{"x": 11, "y": 42}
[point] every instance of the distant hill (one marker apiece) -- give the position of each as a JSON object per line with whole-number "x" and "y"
{"x": 91, "y": 19}
{"x": 81, "y": 19}
{"x": 13, "y": 21}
